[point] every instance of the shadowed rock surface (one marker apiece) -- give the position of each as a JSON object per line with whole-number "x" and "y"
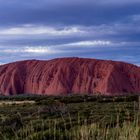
{"x": 69, "y": 75}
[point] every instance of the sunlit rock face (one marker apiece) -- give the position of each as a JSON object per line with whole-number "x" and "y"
{"x": 65, "y": 76}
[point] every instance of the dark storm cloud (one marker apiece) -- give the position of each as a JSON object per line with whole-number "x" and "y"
{"x": 65, "y": 12}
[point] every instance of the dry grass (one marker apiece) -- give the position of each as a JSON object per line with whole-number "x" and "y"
{"x": 16, "y": 102}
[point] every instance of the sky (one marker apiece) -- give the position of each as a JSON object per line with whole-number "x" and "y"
{"x": 47, "y": 29}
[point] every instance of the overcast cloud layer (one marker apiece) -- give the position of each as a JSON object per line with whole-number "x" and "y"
{"x": 46, "y": 29}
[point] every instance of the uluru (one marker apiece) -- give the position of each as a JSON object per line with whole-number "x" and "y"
{"x": 63, "y": 76}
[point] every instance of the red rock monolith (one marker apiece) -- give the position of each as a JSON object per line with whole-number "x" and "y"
{"x": 64, "y": 76}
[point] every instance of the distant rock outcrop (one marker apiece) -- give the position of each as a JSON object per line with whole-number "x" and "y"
{"x": 69, "y": 76}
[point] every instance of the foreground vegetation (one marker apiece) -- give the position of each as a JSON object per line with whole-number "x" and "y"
{"x": 69, "y": 118}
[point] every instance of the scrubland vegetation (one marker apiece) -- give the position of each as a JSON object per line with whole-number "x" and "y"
{"x": 69, "y": 118}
